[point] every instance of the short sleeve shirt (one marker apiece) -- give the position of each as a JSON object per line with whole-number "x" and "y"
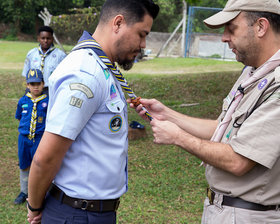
{"x": 88, "y": 106}
{"x": 255, "y": 138}
{"x": 24, "y": 111}
{"x": 52, "y": 60}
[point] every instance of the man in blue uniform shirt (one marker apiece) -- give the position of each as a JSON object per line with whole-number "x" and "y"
{"x": 82, "y": 156}
{"x": 46, "y": 57}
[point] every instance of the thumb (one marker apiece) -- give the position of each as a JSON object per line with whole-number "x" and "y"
{"x": 153, "y": 122}
{"x": 146, "y": 102}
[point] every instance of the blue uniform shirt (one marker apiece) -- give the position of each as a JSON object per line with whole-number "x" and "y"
{"x": 23, "y": 113}
{"x": 33, "y": 61}
{"x": 88, "y": 106}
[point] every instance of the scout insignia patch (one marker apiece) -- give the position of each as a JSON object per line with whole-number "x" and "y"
{"x": 83, "y": 88}
{"x": 76, "y": 102}
{"x": 44, "y": 104}
{"x": 113, "y": 92}
{"x": 106, "y": 73}
{"x": 40, "y": 119}
{"x": 262, "y": 84}
{"x": 115, "y": 123}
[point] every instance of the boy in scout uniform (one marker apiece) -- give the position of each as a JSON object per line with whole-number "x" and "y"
{"x": 46, "y": 57}
{"x": 240, "y": 150}
{"x": 31, "y": 113}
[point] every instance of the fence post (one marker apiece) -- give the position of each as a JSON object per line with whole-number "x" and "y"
{"x": 183, "y": 40}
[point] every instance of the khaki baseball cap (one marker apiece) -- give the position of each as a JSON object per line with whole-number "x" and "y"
{"x": 234, "y": 7}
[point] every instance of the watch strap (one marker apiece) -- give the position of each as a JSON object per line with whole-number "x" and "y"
{"x": 33, "y": 209}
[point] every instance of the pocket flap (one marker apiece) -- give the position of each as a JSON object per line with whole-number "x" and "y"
{"x": 115, "y": 106}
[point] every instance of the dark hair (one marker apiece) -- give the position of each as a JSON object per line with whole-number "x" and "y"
{"x": 132, "y": 10}
{"x": 45, "y": 29}
{"x": 274, "y": 19}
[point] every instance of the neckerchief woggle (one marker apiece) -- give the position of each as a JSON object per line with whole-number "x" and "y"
{"x": 87, "y": 41}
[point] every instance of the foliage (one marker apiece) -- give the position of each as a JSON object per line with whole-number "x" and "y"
{"x": 10, "y": 34}
{"x": 69, "y": 27}
{"x": 209, "y": 3}
{"x": 171, "y": 12}
{"x": 23, "y": 13}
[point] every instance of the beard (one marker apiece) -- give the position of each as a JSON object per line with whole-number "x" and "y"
{"x": 249, "y": 53}
{"x": 121, "y": 58}
{"x": 125, "y": 64}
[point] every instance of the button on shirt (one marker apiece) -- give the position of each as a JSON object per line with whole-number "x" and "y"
{"x": 33, "y": 61}
{"x": 88, "y": 106}
{"x": 24, "y": 111}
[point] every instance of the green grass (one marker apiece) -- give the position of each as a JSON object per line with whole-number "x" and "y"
{"x": 167, "y": 66}
{"x": 166, "y": 184}
{"x": 13, "y": 53}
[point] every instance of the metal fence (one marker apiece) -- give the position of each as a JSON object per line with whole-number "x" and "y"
{"x": 202, "y": 41}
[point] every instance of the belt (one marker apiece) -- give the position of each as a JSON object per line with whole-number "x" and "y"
{"x": 89, "y": 205}
{"x": 240, "y": 203}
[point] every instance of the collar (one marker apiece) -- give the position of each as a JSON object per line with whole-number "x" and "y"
{"x": 52, "y": 47}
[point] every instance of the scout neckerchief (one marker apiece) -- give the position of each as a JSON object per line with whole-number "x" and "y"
{"x": 259, "y": 73}
{"x": 92, "y": 44}
{"x": 43, "y": 56}
{"x": 33, "y": 121}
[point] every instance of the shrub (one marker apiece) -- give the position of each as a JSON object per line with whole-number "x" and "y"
{"x": 69, "y": 27}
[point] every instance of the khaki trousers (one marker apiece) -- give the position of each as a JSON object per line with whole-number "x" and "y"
{"x": 220, "y": 214}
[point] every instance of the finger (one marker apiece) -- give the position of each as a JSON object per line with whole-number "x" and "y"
{"x": 153, "y": 122}
{"x": 36, "y": 221}
{"x": 131, "y": 105}
{"x": 38, "y": 217}
{"x": 138, "y": 108}
{"x": 145, "y": 101}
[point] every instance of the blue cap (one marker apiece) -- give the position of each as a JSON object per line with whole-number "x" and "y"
{"x": 34, "y": 75}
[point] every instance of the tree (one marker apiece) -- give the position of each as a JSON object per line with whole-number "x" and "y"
{"x": 23, "y": 14}
{"x": 171, "y": 12}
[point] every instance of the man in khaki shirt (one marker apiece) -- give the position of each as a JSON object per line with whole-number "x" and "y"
{"x": 240, "y": 150}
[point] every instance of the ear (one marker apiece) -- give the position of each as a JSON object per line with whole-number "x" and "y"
{"x": 262, "y": 26}
{"x": 118, "y": 22}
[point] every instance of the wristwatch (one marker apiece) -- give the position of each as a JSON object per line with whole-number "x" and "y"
{"x": 33, "y": 209}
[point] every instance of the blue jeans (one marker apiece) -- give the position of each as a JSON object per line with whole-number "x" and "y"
{"x": 57, "y": 213}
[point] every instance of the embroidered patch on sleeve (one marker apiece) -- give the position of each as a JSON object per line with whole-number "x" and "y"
{"x": 76, "y": 102}
{"x": 83, "y": 88}
{"x": 106, "y": 73}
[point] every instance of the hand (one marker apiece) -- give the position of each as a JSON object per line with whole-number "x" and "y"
{"x": 155, "y": 108}
{"x": 164, "y": 132}
{"x": 33, "y": 217}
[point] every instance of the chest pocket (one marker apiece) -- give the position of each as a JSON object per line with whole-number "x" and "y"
{"x": 115, "y": 106}
{"x": 42, "y": 112}
{"x": 114, "y": 122}
{"x": 238, "y": 117}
